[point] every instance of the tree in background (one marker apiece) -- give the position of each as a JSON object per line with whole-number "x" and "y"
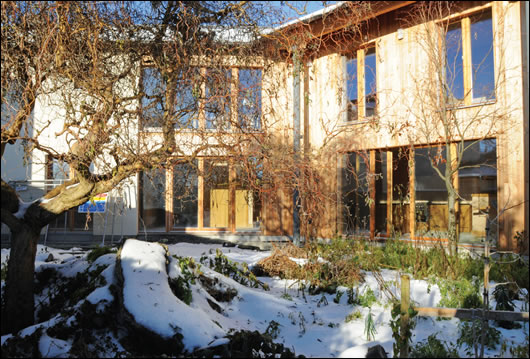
{"x": 82, "y": 61}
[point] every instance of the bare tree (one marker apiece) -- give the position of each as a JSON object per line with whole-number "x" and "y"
{"x": 110, "y": 72}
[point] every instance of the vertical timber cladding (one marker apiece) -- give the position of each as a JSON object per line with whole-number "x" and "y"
{"x": 513, "y": 190}
{"x": 324, "y": 83}
{"x": 277, "y": 200}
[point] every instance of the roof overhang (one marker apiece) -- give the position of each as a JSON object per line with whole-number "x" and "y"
{"x": 332, "y": 19}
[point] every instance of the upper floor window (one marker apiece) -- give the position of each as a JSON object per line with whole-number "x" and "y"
{"x": 157, "y": 104}
{"x": 470, "y": 41}
{"x": 482, "y": 58}
{"x": 193, "y": 98}
{"x": 217, "y": 101}
{"x": 361, "y": 78}
{"x": 249, "y": 99}
{"x": 153, "y": 101}
{"x": 454, "y": 74}
{"x": 370, "y": 83}
{"x": 351, "y": 89}
{"x": 188, "y": 88}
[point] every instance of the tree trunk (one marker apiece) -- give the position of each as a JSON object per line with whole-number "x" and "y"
{"x": 451, "y": 223}
{"x": 18, "y": 311}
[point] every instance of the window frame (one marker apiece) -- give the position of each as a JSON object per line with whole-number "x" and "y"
{"x": 362, "y": 96}
{"x": 233, "y": 103}
{"x": 243, "y": 126}
{"x": 204, "y": 184}
{"x": 465, "y": 20}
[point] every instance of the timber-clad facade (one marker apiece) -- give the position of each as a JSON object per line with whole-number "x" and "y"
{"x": 364, "y": 101}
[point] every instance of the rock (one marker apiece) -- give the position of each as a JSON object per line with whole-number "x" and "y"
{"x": 377, "y": 351}
{"x": 50, "y": 258}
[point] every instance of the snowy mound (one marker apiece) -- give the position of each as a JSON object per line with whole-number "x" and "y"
{"x": 149, "y": 299}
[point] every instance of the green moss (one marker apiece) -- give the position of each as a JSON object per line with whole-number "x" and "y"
{"x": 98, "y": 252}
{"x": 181, "y": 289}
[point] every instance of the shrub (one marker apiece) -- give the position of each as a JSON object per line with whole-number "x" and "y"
{"x": 510, "y": 268}
{"x": 504, "y": 296}
{"x": 181, "y": 289}
{"x": 237, "y": 271}
{"x": 433, "y": 348}
{"x": 472, "y": 300}
{"x": 470, "y": 334}
{"x": 455, "y": 292}
{"x": 328, "y": 265}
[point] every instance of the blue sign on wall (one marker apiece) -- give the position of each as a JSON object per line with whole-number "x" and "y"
{"x": 98, "y": 204}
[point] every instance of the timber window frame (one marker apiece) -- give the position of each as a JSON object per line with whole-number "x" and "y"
{"x": 230, "y": 105}
{"x": 360, "y": 85}
{"x": 468, "y": 79}
{"x": 209, "y": 192}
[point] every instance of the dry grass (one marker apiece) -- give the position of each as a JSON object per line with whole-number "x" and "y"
{"x": 330, "y": 272}
{"x": 277, "y": 265}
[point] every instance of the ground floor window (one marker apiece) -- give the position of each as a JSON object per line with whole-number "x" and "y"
{"x": 399, "y": 190}
{"x": 152, "y": 206}
{"x": 355, "y": 193}
{"x": 478, "y": 187}
{"x": 209, "y": 194}
{"x": 185, "y": 195}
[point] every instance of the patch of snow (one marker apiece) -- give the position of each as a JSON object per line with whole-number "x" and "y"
{"x": 30, "y": 330}
{"x": 148, "y": 297}
{"x": 54, "y": 348}
{"x": 300, "y": 261}
{"x": 72, "y": 185}
{"x": 102, "y": 295}
{"x": 304, "y": 322}
{"x": 23, "y": 207}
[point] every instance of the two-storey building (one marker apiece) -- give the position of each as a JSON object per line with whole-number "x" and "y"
{"x": 386, "y": 95}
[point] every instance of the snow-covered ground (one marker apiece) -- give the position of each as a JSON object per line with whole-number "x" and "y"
{"x": 312, "y": 325}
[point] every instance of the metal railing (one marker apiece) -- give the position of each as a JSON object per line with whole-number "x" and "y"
{"x": 31, "y": 190}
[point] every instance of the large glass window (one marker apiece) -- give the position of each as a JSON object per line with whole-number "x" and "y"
{"x": 431, "y": 192}
{"x": 355, "y": 194}
{"x": 482, "y": 58}
{"x": 186, "y": 92}
{"x": 381, "y": 191}
{"x": 370, "y": 82}
{"x": 478, "y": 187}
{"x": 454, "y": 74}
{"x": 185, "y": 195}
{"x": 217, "y": 101}
{"x": 481, "y": 74}
{"x": 153, "y": 211}
{"x": 400, "y": 190}
{"x": 247, "y": 199}
{"x": 249, "y": 99}
{"x": 351, "y": 89}
{"x": 153, "y": 102}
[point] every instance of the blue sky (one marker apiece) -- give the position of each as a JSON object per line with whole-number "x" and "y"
{"x": 306, "y": 7}
{"x": 302, "y": 7}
